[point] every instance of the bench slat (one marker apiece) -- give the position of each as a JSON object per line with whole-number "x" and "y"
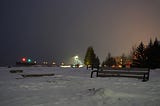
{"x": 124, "y": 75}
{"x": 124, "y": 72}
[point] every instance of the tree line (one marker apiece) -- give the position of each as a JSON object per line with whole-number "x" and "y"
{"x": 147, "y": 56}
{"x": 142, "y": 56}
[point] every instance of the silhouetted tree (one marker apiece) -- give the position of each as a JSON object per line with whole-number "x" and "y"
{"x": 140, "y": 58}
{"x": 156, "y": 54}
{"x": 149, "y": 54}
{"x": 132, "y": 53}
{"x": 110, "y": 61}
{"x": 96, "y": 63}
{"x": 90, "y": 57}
{"x": 153, "y": 54}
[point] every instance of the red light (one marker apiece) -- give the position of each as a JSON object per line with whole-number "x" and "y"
{"x": 24, "y": 59}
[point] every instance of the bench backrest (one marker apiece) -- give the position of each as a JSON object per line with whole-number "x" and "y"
{"x": 128, "y": 69}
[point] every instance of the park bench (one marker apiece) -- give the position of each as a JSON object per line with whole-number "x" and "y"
{"x": 140, "y": 73}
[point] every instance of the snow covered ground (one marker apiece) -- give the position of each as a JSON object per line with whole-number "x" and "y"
{"x": 74, "y": 87}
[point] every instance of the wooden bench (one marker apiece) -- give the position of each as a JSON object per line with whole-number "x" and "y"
{"x": 141, "y": 73}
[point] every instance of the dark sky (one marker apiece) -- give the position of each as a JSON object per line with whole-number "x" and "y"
{"x": 59, "y": 29}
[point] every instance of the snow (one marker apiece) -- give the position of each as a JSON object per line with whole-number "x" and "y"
{"x": 74, "y": 87}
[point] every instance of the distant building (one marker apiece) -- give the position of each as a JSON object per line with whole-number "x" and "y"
{"x": 122, "y": 62}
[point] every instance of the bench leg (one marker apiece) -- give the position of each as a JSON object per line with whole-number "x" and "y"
{"x": 145, "y": 78}
{"x": 148, "y": 76}
{"x": 97, "y": 74}
{"x": 91, "y": 74}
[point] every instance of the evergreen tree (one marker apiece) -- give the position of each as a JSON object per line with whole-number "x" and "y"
{"x": 148, "y": 53}
{"x": 90, "y": 57}
{"x": 132, "y": 53}
{"x": 140, "y": 58}
{"x": 150, "y": 45}
{"x": 110, "y": 61}
{"x": 155, "y": 54}
{"x": 147, "y": 57}
{"x": 156, "y": 44}
{"x": 96, "y": 63}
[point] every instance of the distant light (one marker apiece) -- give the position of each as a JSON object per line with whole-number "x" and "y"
{"x": 53, "y": 63}
{"x": 45, "y": 62}
{"x": 62, "y": 63}
{"x": 113, "y": 66}
{"x": 77, "y": 62}
{"x": 120, "y": 66}
{"x": 23, "y": 59}
{"x": 29, "y": 60}
{"x": 81, "y": 66}
{"x": 76, "y": 57}
{"x": 35, "y": 62}
{"x": 65, "y": 66}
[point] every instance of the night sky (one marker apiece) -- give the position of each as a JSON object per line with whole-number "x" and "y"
{"x": 47, "y": 30}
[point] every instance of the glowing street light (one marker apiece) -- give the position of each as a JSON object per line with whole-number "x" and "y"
{"x": 76, "y": 57}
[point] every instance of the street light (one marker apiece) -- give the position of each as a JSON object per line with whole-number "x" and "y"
{"x": 76, "y": 57}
